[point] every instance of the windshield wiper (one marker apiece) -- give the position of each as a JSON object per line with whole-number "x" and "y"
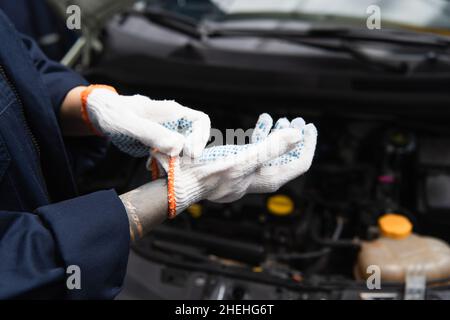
{"x": 347, "y": 38}
{"x": 357, "y": 52}
{"x": 171, "y": 20}
{"x": 191, "y": 27}
{"x": 385, "y": 36}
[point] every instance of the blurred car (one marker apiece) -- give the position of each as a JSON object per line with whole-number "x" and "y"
{"x": 379, "y": 98}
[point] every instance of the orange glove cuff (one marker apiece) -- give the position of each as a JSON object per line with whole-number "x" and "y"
{"x": 172, "y": 211}
{"x": 172, "y": 204}
{"x": 84, "y": 96}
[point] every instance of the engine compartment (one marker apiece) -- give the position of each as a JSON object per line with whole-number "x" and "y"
{"x": 304, "y": 239}
{"x": 383, "y": 147}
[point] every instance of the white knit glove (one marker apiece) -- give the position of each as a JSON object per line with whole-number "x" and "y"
{"x": 276, "y": 172}
{"x": 223, "y": 173}
{"x": 137, "y": 123}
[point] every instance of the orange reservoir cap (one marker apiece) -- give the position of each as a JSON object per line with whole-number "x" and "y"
{"x": 395, "y": 226}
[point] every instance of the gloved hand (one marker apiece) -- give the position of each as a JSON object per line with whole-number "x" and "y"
{"x": 137, "y": 123}
{"x": 275, "y": 173}
{"x": 223, "y": 173}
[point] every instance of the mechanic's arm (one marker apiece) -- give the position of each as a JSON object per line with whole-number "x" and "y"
{"x": 90, "y": 232}
{"x": 58, "y": 79}
{"x": 64, "y": 87}
{"x": 134, "y": 123}
{"x": 146, "y": 207}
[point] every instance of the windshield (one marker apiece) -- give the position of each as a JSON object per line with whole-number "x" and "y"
{"x": 419, "y": 15}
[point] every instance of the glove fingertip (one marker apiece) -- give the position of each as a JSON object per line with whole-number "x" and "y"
{"x": 194, "y": 145}
{"x": 311, "y": 130}
{"x": 266, "y": 119}
{"x": 282, "y": 123}
{"x": 171, "y": 143}
{"x": 196, "y": 141}
{"x": 192, "y": 152}
{"x": 298, "y": 123}
{"x": 262, "y": 128}
{"x": 310, "y": 141}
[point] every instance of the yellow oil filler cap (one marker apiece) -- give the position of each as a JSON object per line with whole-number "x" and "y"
{"x": 195, "y": 210}
{"x": 280, "y": 205}
{"x": 395, "y": 226}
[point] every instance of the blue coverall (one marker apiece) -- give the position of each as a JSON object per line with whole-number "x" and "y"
{"x": 45, "y": 226}
{"x": 37, "y": 20}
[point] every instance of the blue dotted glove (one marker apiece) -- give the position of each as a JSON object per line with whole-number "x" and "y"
{"x": 224, "y": 173}
{"x": 275, "y": 173}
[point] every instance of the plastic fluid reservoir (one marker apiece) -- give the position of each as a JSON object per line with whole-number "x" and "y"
{"x": 399, "y": 251}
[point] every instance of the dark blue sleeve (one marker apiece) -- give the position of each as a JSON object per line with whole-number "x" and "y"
{"x": 57, "y": 78}
{"x": 90, "y": 231}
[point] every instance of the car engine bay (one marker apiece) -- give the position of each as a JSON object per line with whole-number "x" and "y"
{"x": 383, "y": 150}
{"x": 303, "y": 241}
